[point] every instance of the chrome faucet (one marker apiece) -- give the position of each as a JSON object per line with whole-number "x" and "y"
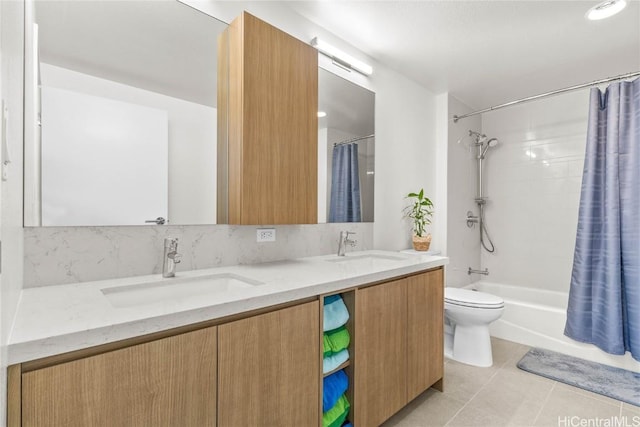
{"x": 344, "y": 241}
{"x": 171, "y": 257}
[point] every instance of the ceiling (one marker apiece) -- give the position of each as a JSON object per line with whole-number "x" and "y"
{"x": 485, "y": 52}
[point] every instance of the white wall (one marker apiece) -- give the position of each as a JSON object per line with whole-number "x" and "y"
{"x": 533, "y": 201}
{"x": 11, "y": 232}
{"x": 463, "y": 243}
{"x": 192, "y": 128}
{"x": 405, "y": 155}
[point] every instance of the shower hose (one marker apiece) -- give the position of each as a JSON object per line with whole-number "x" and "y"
{"x": 483, "y": 232}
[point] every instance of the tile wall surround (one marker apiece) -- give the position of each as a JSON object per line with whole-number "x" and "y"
{"x": 61, "y": 255}
{"x": 533, "y": 179}
{"x": 463, "y": 243}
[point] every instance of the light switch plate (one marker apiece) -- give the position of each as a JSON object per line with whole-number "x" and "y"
{"x": 265, "y": 235}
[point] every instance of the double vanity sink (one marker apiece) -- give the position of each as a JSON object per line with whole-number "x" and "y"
{"x": 57, "y": 319}
{"x": 155, "y": 291}
{"x": 167, "y": 289}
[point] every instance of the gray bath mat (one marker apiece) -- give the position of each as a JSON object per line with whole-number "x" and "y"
{"x": 602, "y": 379}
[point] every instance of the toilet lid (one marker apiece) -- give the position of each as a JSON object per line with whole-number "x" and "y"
{"x": 469, "y": 298}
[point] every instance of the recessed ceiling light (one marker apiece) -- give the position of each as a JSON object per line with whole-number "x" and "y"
{"x": 605, "y": 9}
{"x": 322, "y": 114}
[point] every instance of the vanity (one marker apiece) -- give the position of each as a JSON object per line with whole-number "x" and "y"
{"x": 229, "y": 346}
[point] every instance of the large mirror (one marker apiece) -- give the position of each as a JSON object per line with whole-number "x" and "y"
{"x": 127, "y": 98}
{"x": 346, "y": 154}
{"x": 120, "y": 116}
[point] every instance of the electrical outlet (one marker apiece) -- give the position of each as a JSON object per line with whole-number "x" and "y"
{"x": 266, "y": 235}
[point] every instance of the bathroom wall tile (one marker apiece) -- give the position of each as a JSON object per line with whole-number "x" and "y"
{"x": 59, "y": 255}
{"x": 533, "y": 210}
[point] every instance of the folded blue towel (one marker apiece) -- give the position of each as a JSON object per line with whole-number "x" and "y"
{"x": 335, "y": 315}
{"x": 333, "y": 386}
{"x": 331, "y": 298}
{"x": 332, "y": 362}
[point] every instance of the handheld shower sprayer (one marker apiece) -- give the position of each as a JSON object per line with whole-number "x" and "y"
{"x": 485, "y": 146}
{"x": 482, "y": 145}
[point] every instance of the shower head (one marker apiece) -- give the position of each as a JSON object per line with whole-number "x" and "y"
{"x": 479, "y": 137}
{"x": 485, "y": 146}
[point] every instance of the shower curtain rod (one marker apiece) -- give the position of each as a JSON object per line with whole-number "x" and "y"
{"x": 554, "y": 92}
{"x": 349, "y": 141}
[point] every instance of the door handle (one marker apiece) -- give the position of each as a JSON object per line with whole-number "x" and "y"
{"x": 158, "y": 221}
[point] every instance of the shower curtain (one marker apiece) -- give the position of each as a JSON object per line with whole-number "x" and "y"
{"x": 604, "y": 299}
{"x": 345, "y": 184}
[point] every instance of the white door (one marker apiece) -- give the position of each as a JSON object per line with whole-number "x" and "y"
{"x": 104, "y": 162}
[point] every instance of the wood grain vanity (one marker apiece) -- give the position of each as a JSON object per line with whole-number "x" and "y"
{"x": 260, "y": 368}
{"x": 270, "y": 113}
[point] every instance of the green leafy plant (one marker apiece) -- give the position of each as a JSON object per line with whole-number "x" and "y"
{"x": 420, "y": 211}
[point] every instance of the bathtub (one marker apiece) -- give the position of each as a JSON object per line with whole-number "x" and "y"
{"x": 536, "y": 317}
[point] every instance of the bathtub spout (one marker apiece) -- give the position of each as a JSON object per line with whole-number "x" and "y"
{"x": 484, "y": 272}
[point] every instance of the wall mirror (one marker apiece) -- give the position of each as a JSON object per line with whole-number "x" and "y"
{"x": 346, "y": 152}
{"x": 120, "y": 116}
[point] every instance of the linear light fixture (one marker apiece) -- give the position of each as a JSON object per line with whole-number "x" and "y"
{"x": 605, "y": 9}
{"x": 340, "y": 58}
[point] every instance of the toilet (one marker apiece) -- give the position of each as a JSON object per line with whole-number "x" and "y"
{"x": 467, "y": 317}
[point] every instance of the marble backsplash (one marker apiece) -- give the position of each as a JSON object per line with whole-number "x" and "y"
{"x": 61, "y": 255}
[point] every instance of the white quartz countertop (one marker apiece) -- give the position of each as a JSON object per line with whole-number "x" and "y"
{"x": 56, "y": 319}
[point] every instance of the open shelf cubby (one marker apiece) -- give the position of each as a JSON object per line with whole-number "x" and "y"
{"x": 349, "y": 298}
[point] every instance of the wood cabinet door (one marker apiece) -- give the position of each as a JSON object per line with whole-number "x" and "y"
{"x": 380, "y": 352}
{"x": 269, "y": 369}
{"x": 273, "y": 125}
{"x": 425, "y": 339}
{"x": 168, "y": 382}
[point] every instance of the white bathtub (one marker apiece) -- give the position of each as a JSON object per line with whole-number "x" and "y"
{"x": 536, "y": 318}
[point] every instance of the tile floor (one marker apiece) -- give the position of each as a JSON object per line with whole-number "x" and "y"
{"x": 503, "y": 395}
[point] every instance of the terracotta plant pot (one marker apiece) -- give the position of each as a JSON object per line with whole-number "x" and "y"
{"x": 422, "y": 243}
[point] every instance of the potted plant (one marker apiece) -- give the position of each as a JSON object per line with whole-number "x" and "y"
{"x": 420, "y": 211}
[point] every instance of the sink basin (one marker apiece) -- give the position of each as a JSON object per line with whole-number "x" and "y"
{"x": 171, "y": 289}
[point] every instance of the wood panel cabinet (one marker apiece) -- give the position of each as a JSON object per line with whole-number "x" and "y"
{"x": 272, "y": 126}
{"x": 268, "y": 369}
{"x": 425, "y": 332}
{"x": 399, "y": 344}
{"x": 167, "y": 382}
{"x": 261, "y": 370}
{"x": 381, "y": 352}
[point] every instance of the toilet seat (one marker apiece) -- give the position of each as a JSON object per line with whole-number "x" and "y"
{"x": 472, "y": 299}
